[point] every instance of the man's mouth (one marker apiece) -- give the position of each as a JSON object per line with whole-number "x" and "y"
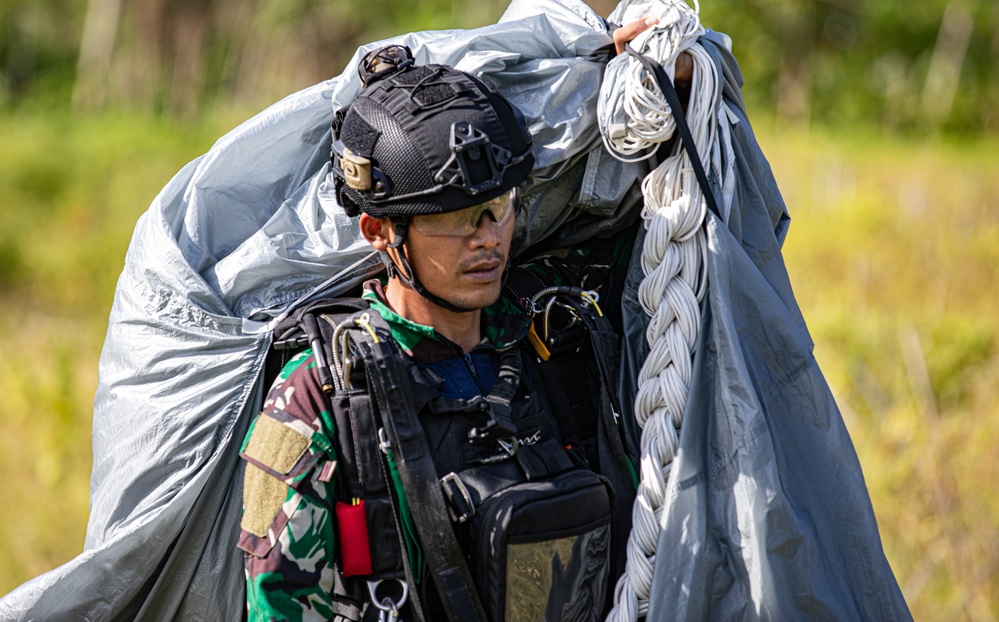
{"x": 484, "y": 270}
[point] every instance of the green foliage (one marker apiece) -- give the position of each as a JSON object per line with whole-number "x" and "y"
{"x": 179, "y": 59}
{"x": 75, "y": 188}
{"x": 37, "y": 46}
{"x": 880, "y": 63}
{"x": 48, "y": 369}
{"x": 870, "y": 63}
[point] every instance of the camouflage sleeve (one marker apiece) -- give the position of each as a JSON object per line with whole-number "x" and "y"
{"x": 288, "y": 496}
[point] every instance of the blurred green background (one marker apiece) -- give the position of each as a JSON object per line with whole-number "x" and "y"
{"x": 880, "y": 118}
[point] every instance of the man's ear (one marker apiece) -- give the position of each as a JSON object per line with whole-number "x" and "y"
{"x": 375, "y": 230}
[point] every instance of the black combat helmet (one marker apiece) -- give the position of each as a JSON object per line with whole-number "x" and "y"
{"x": 424, "y": 139}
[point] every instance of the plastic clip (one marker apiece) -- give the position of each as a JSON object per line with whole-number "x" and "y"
{"x": 458, "y": 495}
{"x": 383, "y": 442}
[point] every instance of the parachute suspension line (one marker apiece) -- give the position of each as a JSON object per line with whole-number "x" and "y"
{"x": 673, "y": 259}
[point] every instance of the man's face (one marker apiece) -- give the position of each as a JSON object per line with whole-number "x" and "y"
{"x": 460, "y": 256}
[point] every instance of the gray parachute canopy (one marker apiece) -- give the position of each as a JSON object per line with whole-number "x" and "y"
{"x": 247, "y": 231}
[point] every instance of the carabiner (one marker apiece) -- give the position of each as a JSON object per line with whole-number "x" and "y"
{"x": 548, "y": 310}
{"x": 389, "y": 608}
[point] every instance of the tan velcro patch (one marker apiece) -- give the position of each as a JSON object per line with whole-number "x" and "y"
{"x": 276, "y": 445}
{"x": 263, "y": 496}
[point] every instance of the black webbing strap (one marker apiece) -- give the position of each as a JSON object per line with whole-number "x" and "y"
{"x": 345, "y": 602}
{"x": 666, "y": 86}
{"x": 611, "y": 451}
{"x": 390, "y": 384}
{"x": 367, "y": 476}
{"x": 500, "y": 425}
{"x": 408, "y": 564}
{"x": 362, "y": 475}
{"x": 360, "y": 461}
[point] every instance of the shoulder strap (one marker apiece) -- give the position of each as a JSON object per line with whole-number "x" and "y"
{"x": 666, "y": 86}
{"x": 301, "y": 330}
{"x": 398, "y": 407}
{"x": 289, "y": 334}
{"x": 363, "y": 472}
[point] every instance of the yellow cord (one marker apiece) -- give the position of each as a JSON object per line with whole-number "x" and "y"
{"x": 363, "y": 323}
{"x": 591, "y": 298}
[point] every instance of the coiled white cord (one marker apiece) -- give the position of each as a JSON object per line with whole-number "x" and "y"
{"x": 673, "y": 258}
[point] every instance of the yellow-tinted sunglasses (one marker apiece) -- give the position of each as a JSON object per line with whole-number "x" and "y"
{"x": 464, "y": 222}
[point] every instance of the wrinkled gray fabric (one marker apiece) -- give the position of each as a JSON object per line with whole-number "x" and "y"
{"x": 769, "y": 516}
{"x": 251, "y": 228}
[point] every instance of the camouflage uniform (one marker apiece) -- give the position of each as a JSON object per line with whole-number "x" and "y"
{"x": 288, "y": 529}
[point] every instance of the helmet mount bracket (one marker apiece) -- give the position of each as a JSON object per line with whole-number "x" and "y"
{"x": 471, "y": 150}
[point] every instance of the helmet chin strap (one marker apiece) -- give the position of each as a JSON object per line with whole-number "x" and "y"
{"x": 405, "y": 273}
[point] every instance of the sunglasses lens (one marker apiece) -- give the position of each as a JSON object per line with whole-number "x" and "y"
{"x": 464, "y": 222}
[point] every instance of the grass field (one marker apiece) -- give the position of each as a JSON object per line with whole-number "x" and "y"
{"x": 893, "y": 252}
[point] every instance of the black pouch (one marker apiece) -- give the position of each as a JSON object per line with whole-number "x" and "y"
{"x": 540, "y": 548}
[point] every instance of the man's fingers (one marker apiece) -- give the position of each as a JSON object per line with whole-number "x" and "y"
{"x": 626, "y": 33}
{"x": 684, "y": 70}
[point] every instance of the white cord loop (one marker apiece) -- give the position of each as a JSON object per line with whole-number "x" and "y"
{"x": 673, "y": 259}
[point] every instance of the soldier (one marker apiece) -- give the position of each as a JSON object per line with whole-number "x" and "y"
{"x": 529, "y": 494}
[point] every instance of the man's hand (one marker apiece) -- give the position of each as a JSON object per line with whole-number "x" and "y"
{"x": 625, "y": 34}
{"x": 684, "y": 69}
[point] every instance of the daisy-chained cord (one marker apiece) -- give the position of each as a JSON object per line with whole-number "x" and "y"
{"x": 673, "y": 257}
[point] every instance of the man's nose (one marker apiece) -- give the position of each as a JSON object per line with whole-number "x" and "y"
{"x": 487, "y": 234}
